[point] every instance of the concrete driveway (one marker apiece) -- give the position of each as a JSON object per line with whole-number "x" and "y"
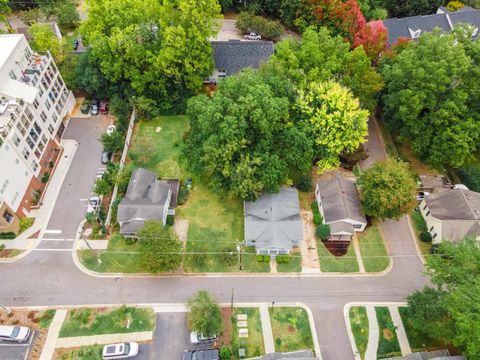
{"x": 169, "y": 340}
{"x": 228, "y": 31}
{"x": 14, "y": 351}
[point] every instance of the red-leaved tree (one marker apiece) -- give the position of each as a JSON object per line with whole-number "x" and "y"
{"x": 373, "y": 38}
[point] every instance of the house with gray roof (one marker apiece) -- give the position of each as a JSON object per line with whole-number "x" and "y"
{"x": 410, "y": 28}
{"x": 452, "y": 215}
{"x": 294, "y": 355}
{"x": 339, "y": 204}
{"x": 146, "y": 199}
{"x": 430, "y": 355}
{"x": 273, "y": 223}
{"x": 232, "y": 56}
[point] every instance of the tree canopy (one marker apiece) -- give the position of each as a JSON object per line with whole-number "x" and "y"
{"x": 387, "y": 190}
{"x": 160, "y": 49}
{"x": 450, "y": 310}
{"x": 44, "y": 39}
{"x": 335, "y": 120}
{"x": 204, "y": 314}
{"x": 431, "y": 97}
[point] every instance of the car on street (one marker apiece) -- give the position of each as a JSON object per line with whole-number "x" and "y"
{"x": 120, "y": 351}
{"x": 421, "y": 195}
{"x": 94, "y": 108}
{"x": 105, "y": 157}
{"x": 104, "y": 107}
{"x": 93, "y": 204}
{"x": 253, "y": 36}
{"x": 85, "y": 108}
{"x": 197, "y": 338}
{"x": 111, "y": 129}
{"x": 75, "y": 44}
{"x": 14, "y": 333}
{"x": 207, "y": 354}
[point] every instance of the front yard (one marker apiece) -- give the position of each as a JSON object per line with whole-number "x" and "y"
{"x": 291, "y": 329}
{"x": 331, "y": 263}
{"x": 372, "y": 248}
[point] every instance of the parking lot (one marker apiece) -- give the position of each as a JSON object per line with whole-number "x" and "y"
{"x": 14, "y": 351}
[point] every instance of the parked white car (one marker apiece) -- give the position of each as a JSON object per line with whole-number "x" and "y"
{"x": 460, "y": 186}
{"x": 421, "y": 195}
{"x": 196, "y": 338}
{"x": 14, "y": 333}
{"x": 120, "y": 351}
{"x": 111, "y": 129}
{"x": 93, "y": 204}
{"x": 253, "y": 36}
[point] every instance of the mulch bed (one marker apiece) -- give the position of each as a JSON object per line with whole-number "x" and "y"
{"x": 226, "y": 338}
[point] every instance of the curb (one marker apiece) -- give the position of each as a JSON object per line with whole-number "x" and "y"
{"x": 415, "y": 240}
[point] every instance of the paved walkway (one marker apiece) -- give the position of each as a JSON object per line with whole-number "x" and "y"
{"x": 273, "y": 266}
{"x": 267, "y": 329}
{"x": 358, "y": 255}
{"x": 104, "y": 339}
{"x": 373, "y": 334}
{"x": 400, "y": 330}
{"x": 94, "y": 244}
{"x": 52, "y": 337}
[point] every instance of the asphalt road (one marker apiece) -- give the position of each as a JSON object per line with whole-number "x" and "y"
{"x": 51, "y": 278}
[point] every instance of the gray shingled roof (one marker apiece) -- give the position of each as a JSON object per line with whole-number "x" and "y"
{"x": 340, "y": 227}
{"x": 145, "y": 200}
{"x": 340, "y": 200}
{"x": 433, "y": 355}
{"x": 456, "y": 204}
{"x": 273, "y": 220}
{"x": 236, "y": 55}
{"x": 295, "y": 355}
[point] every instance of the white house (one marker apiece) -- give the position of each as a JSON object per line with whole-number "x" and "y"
{"x": 34, "y": 101}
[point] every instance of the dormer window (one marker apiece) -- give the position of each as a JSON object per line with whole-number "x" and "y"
{"x": 415, "y": 34}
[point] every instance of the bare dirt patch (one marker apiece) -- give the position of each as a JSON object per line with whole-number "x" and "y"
{"x": 181, "y": 229}
{"x": 387, "y": 334}
{"x": 308, "y": 247}
{"x": 226, "y": 338}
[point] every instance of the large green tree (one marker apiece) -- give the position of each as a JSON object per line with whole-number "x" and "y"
{"x": 161, "y": 249}
{"x": 334, "y": 119}
{"x": 450, "y": 309}
{"x": 243, "y": 139}
{"x": 431, "y": 98}
{"x": 160, "y": 48}
{"x": 319, "y": 57}
{"x": 404, "y": 8}
{"x": 387, "y": 190}
{"x": 44, "y": 39}
{"x": 204, "y": 314}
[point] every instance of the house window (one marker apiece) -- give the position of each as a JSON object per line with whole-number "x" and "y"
{"x": 434, "y": 236}
{"x": 16, "y": 139}
{"x": 34, "y": 166}
{"x": 12, "y": 75}
{"x": 55, "y": 117}
{"x": 427, "y": 213}
{"x": 357, "y": 226}
{"x": 25, "y": 153}
{"x": 431, "y": 229}
{"x": 50, "y": 129}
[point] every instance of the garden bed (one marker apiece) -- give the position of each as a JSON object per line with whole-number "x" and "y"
{"x": 92, "y": 352}
{"x": 291, "y": 329}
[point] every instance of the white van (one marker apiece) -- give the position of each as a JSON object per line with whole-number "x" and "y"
{"x": 14, "y": 333}
{"x": 197, "y": 338}
{"x": 120, "y": 351}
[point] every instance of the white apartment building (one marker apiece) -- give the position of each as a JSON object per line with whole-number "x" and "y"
{"x": 33, "y": 104}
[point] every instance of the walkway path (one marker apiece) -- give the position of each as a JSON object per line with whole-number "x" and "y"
{"x": 400, "y": 330}
{"x": 52, "y": 337}
{"x": 358, "y": 255}
{"x": 273, "y": 266}
{"x": 308, "y": 247}
{"x": 104, "y": 339}
{"x": 373, "y": 334}
{"x": 267, "y": 329}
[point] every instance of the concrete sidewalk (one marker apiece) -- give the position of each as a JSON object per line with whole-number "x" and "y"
{"x": 400, "y": 330}
{"x": 53, "y": 332}
{"x": 94, "y": 244}
{"x": 373, "y": 333}
{"x": 104, "y": 339}
{"x": 267, "y": 329}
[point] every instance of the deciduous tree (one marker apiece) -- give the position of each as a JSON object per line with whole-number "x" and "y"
{"x": 44, "y": 39}
{"x": 387, "y": 190}
{"x": 204, "y": 314}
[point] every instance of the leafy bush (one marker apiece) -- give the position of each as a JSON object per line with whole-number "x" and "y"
{"x": 283, "y": 259}
{"x": 101, "y": 187}
{"x": 350, "y": 159}
{"x": 225, "y": 353}
{"x": 323, "y": 231}
{"x": 81, "y": 315}
{"x": 425, "y": 236}
{"x": 317, "y": 218}
{"x": 304, "y": 183}
{"x": 8, "y": 235}
{"x": 182, "y": 194}
{"x": 2, "y": 247}
{"x": 45, "y": 177}
{"x": 47, "y": 318}
{"x": 25, "y": 223}
{"x": 247, "y": 22}
{"x": 263, "y": 258}
{"x": 470, "y": 176}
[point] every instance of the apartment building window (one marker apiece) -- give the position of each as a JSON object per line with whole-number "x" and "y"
{"x": 12, "y": 75}
{"x": 36, "y": 104}
{"x": 34, "y": 166}
{"x": 41, "y": 91}
{"x": 4, "y": 186}
{"x": 50, "y": 129}
{"x": 29, "y": 114}
{"x": 55, "y": 117}
{"x": 30, "y": 142}
{"x": 21, "y": 129}
{"x": 16, "y": 139}
{"x": 15, "y": 197}
{"x": 43, "y": 116}
{"x": 25, "y": 153}
{"x": 47, "y": 104}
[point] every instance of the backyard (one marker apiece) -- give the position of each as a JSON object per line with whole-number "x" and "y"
{"x": 388, "y": 345}
{"x": 253, "y": 344}
{"x": 359, "y": 324}
{"x": 84, "y": 322}
{"x": 372, "y": 248}
{"x": 291, "y": 329}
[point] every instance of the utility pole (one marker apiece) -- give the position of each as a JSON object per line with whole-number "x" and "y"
{"x": 233, "y": 297}
{"x": 239, "y": 258}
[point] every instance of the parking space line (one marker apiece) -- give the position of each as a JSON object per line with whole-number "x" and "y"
{"x": 52, "y": 231}
{"x": 57, "y": 239}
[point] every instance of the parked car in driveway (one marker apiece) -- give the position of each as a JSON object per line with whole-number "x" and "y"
{"x": 421, "y": 195}
{"x": 94, "y": 108}
{"x": 14, "y": 333}
{"x": 197, "y": 338}
{"x": 207, "y": 354}
{"x": 120, "y": 351}
{"x": 111, "y": 129}
{"x": 253, "y": 36}
{"x": 105, "y": 157}
{"x": 93, "y": 204}
{"x": 104, "y": 107}
{"x": 85, "y": 108}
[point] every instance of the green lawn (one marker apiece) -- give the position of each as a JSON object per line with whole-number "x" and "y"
{"x": 417, "y": 340}
{"x": 388, "y": 345}
{"x": 253, "y": 345}
{"x": 372, "y": 248}
{"x": 295, "y": 264}
{"x": 46, "y": 318}
{"x": 25, "y": 223}
{"x": 291, "y": 329}
{"x": 84, "y": 322}
{"x": 250, "y": 263}
{"x": 93, "y": 352}
{"x": 419, "y": 226}
{"x": 359, "y": 324}
{"x": 330, "y": 263}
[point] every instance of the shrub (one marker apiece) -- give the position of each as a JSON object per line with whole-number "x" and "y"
{"x": 247, "y": 22}
{"x": 323, "y": 231}
{"x": 350, "y": 159}
{"x": 263, "y": 258}
{"x": 45, "y": 177}
{"x": 425, "y": 236}
{"x": 283, "y": 259}
{"x": 260, "y": 258}
{"x": 8, "y": 235}
{"x": 182, "y": 194}
{"x": 225, "y": 353}
{"x": 317, "y": 218}
{"x": 170, "y": 220}
{"x": 470, "y": 176}
{"x": 2, "y": 247}
{"x": 304, "y": 183}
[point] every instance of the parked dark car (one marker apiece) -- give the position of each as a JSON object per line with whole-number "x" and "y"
{"x": 94, "y": 108}
{"x": 208, "y": 354}
{"x": 75, "y": 44}
{"x": 104, "y": 107}
{"x": 85, "y": 108}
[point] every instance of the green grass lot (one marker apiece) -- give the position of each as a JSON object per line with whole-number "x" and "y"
{"x": 417, "y": 340}
{"x": 250, "y": 262}
{"x": 295, "y": 264}
{"x": 93, "y": 352}
{"x": 388, "y": 345}
{"x": 84, "y": 322}
{"x": 359, "y": 324}
{"x": 46, "y": 318}
{"x": 253, "y": 345}
{"x": 372, "y": 248}
{"x": 419, "y": 226}
{"x": 291, "y": 329}
{"x": 330, "y": 263}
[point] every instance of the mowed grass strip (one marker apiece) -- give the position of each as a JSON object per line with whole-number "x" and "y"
{"x": 93, "y": 352}
{"x": 85, "y": 322}
{"x": 372, "y": 248}
{"x": 331, "y": 263}
{"x": 388, "y": 345}
{"x": 253, "y": 345}
{"x": 359, "y": 324}
{"x": 291, "y": 329}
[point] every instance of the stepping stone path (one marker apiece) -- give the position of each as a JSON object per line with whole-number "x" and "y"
{"x": 241, "y": 352}
{"x": 242, "y": 317}
{"x": 243, "y": 333}
{"x": 242, "y": 324}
